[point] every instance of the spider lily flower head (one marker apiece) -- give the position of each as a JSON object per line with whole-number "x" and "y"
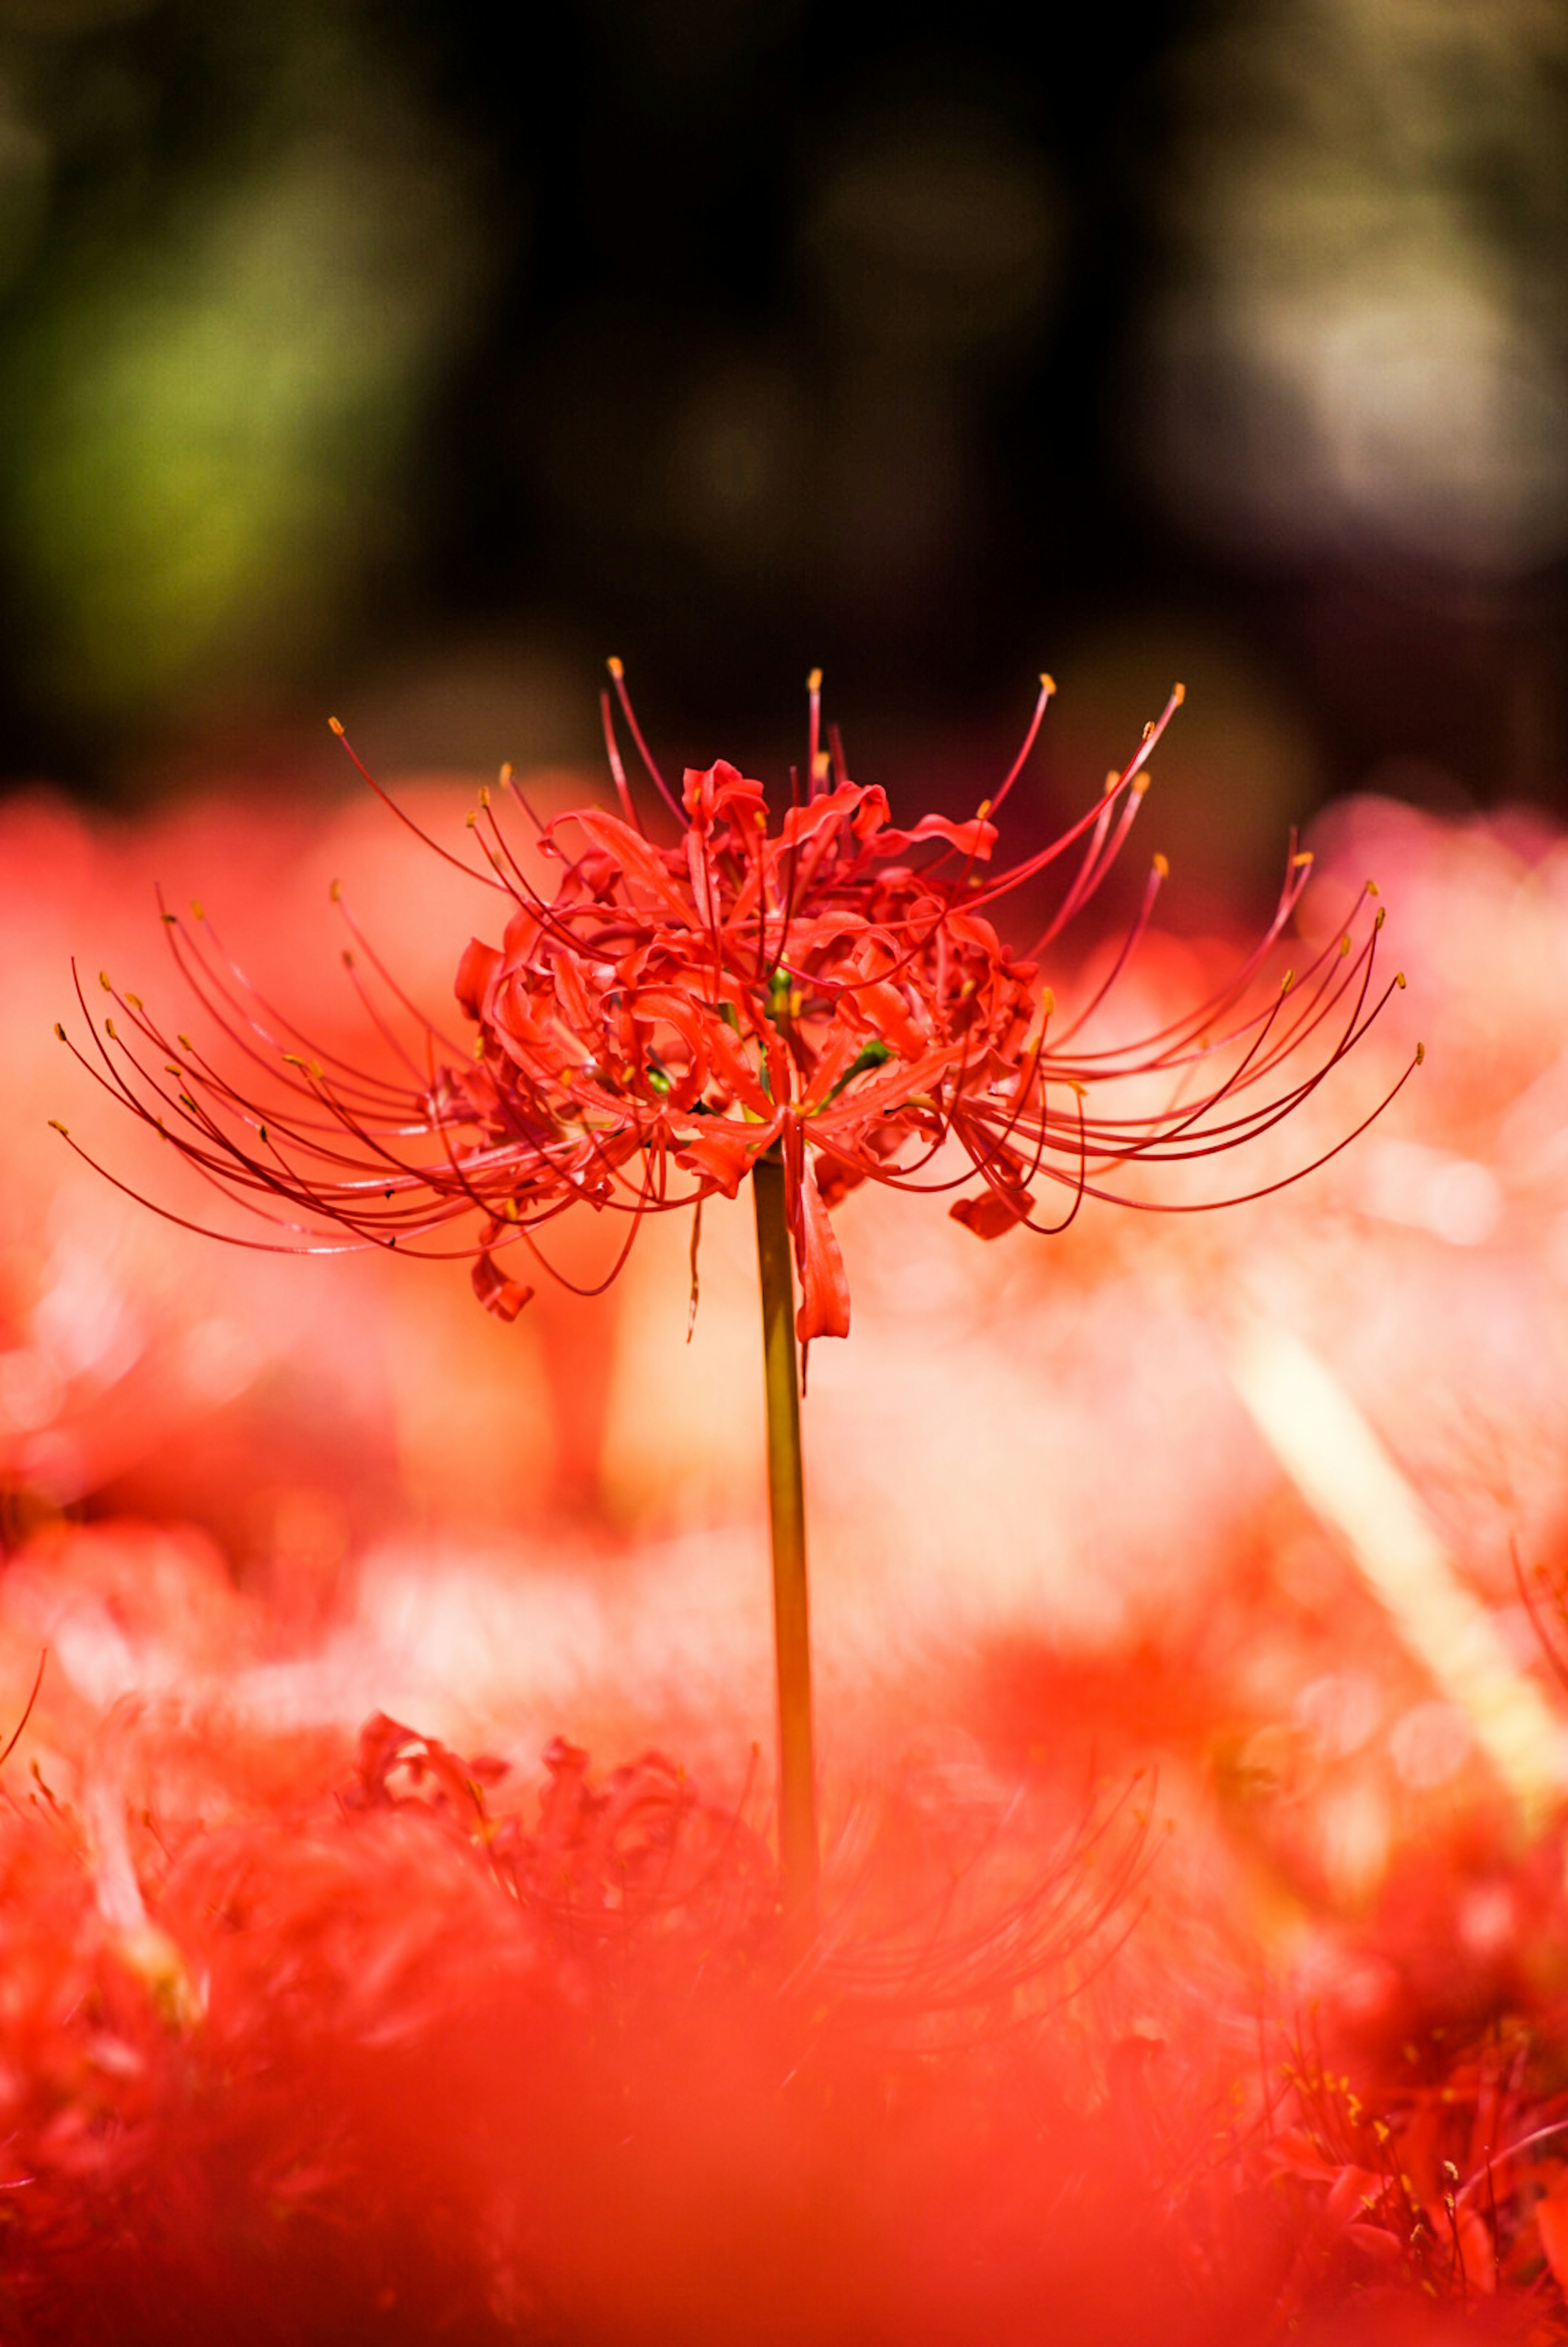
{"x": 721, "y": 983}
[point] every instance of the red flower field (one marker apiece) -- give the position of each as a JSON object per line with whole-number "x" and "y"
{"x": 390, "y": 1931}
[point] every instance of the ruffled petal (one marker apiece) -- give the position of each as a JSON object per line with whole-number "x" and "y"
{"x": 505, "y": 1298}
{"x": 475, "y": 973}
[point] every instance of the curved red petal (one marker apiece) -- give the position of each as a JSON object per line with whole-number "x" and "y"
{"x": 824, "y": 1308}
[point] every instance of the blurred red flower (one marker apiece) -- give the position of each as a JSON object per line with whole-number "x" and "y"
{"x": 828, "y": 988}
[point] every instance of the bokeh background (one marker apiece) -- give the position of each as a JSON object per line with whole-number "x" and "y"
{"x": 348, "y": 360}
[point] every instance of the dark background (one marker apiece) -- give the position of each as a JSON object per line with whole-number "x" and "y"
{"x": 351, "y": 361}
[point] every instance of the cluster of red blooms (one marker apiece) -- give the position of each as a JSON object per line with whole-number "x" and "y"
{"x": 826, "y": 987}
{"x": 393, "y": 2064}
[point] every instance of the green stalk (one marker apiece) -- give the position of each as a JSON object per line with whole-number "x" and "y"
{"x": 787, "y": 1511}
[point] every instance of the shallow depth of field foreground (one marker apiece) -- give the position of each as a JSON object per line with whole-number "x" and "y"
{"x": 390, "y": 1943}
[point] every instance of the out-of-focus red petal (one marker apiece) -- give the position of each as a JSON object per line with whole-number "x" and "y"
{"x": 1552, "y": 2223}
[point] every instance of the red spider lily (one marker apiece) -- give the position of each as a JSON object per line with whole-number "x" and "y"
{"x": 825, "y": 988}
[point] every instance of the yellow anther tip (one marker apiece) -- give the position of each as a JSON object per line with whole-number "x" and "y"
{"x": 1178, "y": 693}
{"x": 814, "y": 681}
{"x": 1162, "y": 864}
{"x": 337, "y": 725}
{"x": 55, "y": 1126}
{"x": 1301, "y": 859}
{"x": 335, "y": 891}
{"x": 59, "y": 1030}
{"x": 1048, "y": 683}
{"x": 616, "y": 667}
{"x": 104, "y": 981}
{"x": 1142, "y": 780}
{"x": 1421, "y": 1054}
{"x": 1399, "y": 979}
{"x": 983, "y": 810}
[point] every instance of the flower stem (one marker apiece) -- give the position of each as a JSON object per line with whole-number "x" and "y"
{"x": 787, "y": 1510}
